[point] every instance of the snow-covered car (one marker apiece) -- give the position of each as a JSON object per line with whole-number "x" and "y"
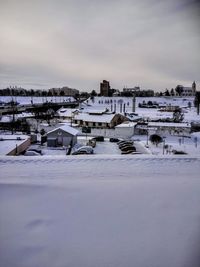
{"x": 129, "y": 151}
{"x": 83, "y": 150}
{"x": 128, "y": 147}
{"x": 125, "y": 144}
{"x": 36, "y": 150}
{"x": 31, "y": 153}
{"x": 99, "y": 138}
{"x": 114, "y": 140}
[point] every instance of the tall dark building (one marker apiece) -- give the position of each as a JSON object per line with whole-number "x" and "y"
{"x": 105, "y": 88}
{"x": 194, "y": 87}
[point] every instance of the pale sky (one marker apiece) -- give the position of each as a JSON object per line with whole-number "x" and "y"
{"x": 77, "y": 43}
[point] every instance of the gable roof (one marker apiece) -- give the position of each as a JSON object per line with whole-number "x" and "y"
{"x": 67, "y": 112}
{"x": 65, "y": 128}
{"x": 107, "y": 118}
{"x": 126, "y": 124}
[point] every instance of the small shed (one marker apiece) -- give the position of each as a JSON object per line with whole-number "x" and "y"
{"x": 125, "y": 129}
{"x": 62, "y": 136}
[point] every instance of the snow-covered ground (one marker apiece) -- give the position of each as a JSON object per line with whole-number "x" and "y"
{"x": 101, "y": 211}
{"x": 104, "y": 209}
{"x": 106, "y": 148}
{"x": 27, "y": 100}
{"x": 188, "y": 145}
{"x": 190, "y": 114}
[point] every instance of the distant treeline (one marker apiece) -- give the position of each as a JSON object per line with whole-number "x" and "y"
{"x": 74, "y": 92}
{"x": 31, "y": 92}
{"x": 25, "y": 92}
{"x": 50, "y": 92}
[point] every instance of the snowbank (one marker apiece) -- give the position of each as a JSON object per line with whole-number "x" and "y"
{"x": 99, "y": 211}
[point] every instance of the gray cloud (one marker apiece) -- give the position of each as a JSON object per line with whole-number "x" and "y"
{"x": 152, "y": 43}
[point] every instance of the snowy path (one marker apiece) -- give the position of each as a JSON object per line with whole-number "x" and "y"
{"x": 100, "y": 210}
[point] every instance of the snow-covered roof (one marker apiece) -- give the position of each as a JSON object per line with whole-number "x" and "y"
{"x": 96, "y": 111}
{"x": 65, "y": 128}
{"x": 66, "y": 112}
{"x": 6, "y": 118}
{"x": 126, "y": 124}
{"x": 25, "y": 115}
{"x": 9, "y": 142}
{"x": 169, "y": 124}
{"x": 133, "y": 117}
{"x": 106, "y": 118}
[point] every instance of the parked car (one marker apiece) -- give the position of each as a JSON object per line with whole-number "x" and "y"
{"x": 83, "y": 150}
{"x": 36, "y": 150}
{"x": 130, "y": 151}
{"x": 31, "y": 153}
{"x": 179, "y": 152}
{"x": 121, "y": 142}
{"x": 126, "y": 148}
{"x": 125, "y": 144}
{"x": 98, "y": 138}
{"x": 114, "y": 140}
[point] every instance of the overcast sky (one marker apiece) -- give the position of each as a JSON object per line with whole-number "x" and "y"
{"x": 52, "y": 43}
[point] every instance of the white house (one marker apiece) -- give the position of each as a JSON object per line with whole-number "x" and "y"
{"x": 66, "y": 113}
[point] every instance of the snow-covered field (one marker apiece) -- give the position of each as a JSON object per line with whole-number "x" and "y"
{"x": 190, "y": 114}
{"x": 100, "y": 211}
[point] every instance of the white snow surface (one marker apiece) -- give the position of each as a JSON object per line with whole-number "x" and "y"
{"x": 9, "y": 142}
{"x": 100, "y": 211}
{"x": 190, "y": 114}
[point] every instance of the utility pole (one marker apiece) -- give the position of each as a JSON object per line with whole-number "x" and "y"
{"x": 197, "y": 101}
{"x": 133, "y": 103}
{"x": 163, "y": 145}
{"x": 13, "y": 114}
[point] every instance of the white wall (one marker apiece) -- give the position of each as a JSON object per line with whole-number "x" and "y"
{"x": 117, "y": 132}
